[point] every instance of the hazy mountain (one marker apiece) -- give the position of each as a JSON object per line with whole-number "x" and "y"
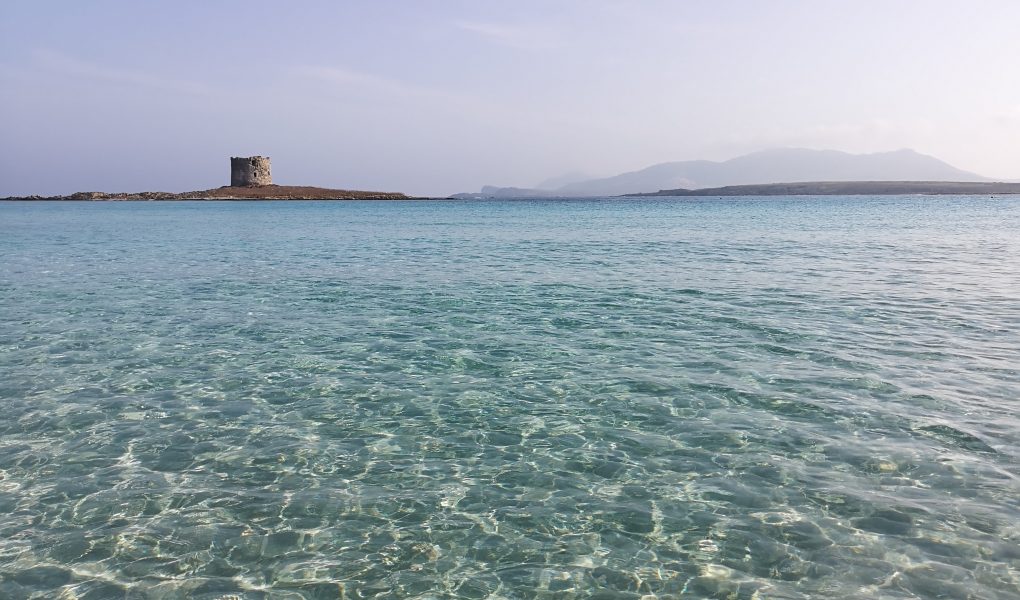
{"x": 491, "y": 191}
{"x": 768, "y": 166}
{"x": 566, "y": 179}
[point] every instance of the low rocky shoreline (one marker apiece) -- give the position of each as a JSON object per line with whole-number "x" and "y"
{"x": 267, "y": 192}
{"x": 851, "y": 188}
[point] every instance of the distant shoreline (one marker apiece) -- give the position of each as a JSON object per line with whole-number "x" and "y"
{"x": 206, "y": 199}
{"x": 267, "y": 192}
{"x": 810, "y": 188}
{"x": 849, "y": 188}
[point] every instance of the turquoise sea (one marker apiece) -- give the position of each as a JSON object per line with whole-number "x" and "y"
{"x": 658, "y": 398}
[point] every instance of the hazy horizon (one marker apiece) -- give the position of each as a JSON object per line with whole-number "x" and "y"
{"x": 434, "y": 98}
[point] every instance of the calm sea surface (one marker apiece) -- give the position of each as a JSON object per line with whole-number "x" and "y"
{"x": 688, "y": 398}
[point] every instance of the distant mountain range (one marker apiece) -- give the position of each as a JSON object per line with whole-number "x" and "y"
{"x": 768, "y": 166}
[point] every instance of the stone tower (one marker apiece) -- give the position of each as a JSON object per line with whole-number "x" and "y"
{"x": 250, "y": 171}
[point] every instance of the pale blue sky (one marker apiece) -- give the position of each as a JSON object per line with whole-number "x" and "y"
{"x": 431, "y": 97}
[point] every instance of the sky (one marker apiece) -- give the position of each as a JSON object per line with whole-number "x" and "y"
{"x": 436, "y": 97}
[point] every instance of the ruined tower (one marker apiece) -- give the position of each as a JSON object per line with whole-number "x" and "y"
{"x": 250, "y": 171}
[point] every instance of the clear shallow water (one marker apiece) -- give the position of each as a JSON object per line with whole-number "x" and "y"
{"x": 794, "y": 398}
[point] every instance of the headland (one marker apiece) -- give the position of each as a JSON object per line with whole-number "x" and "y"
{"x": 250, "y": 179}
{"x": 262, "y": 192}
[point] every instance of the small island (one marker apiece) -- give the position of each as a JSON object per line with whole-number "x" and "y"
{"x": 250, "y": 179}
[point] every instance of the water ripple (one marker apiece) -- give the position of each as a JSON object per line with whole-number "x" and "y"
{"x": 781, "y": 398}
